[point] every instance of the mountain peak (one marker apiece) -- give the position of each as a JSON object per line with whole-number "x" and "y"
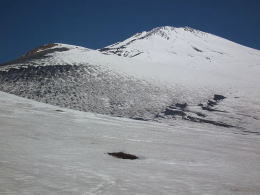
{"x": 164, "y": 36}
{"x": 169, "y": 31}
{"x": 163, "y": 31}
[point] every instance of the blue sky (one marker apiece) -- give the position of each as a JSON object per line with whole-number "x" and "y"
{"x": 26, "y": 24}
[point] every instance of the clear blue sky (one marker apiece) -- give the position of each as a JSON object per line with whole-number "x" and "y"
{"x": 26, "y": 24}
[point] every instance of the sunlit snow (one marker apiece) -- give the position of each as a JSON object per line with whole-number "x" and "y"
{"x": 49, "y": 150}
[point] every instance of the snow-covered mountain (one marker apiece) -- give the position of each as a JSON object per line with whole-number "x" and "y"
{"x": 162, "y": 74}
{"x": 200, "y": 94}
{"x": 192, "y": 51}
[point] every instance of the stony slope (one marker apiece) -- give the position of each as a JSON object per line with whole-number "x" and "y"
{"x": 83, "y": 87}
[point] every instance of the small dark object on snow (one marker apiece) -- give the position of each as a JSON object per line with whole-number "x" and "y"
{"x": 59, "y": 110}
{"x": 218, "y": 97}
{"x": 196, "y": 49}
{"x": 123, "y": 155}
{"x": 174, "y": 112}
{"x": 139, "y": 118}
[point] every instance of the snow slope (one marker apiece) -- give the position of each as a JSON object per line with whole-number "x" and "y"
{"x": 184, "y": 52}
{"x": 50, "y": 150}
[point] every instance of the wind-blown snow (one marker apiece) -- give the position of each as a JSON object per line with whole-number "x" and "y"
{"x": 49, "y": 150}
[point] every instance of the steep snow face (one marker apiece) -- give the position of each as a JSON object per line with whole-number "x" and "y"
{"x": 163, "y": 44}
{"x": 50, "y": 150}
{"x": 190, "y": 52}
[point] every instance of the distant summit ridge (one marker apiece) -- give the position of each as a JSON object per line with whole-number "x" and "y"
{"x": 164, "y": 35}
{"x": 167, "y": 31}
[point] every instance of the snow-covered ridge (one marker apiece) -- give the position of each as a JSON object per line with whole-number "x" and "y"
{"x": 166, "y": 32}
{"x": 52, "y": 46}
{"x": 42, "y": 55}
{"x": 169, "y": 40}
{"x": 162, "y": 45}
{"x": 164, "y": 53}
{"x": 143, "y": 77}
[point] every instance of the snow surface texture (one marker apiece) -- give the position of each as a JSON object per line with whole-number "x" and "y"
{"x": 144, "y": 76}
{"x": 45, "y": 149}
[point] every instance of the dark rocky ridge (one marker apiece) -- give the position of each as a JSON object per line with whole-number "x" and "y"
{"x": 37, "y": 54}
{"x": 182, "y": 110}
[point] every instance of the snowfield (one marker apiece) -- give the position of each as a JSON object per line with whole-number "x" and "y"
{"x": 50, "y": 150}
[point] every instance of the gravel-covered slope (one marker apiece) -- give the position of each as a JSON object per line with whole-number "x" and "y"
{"x": 87, "y": 88}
